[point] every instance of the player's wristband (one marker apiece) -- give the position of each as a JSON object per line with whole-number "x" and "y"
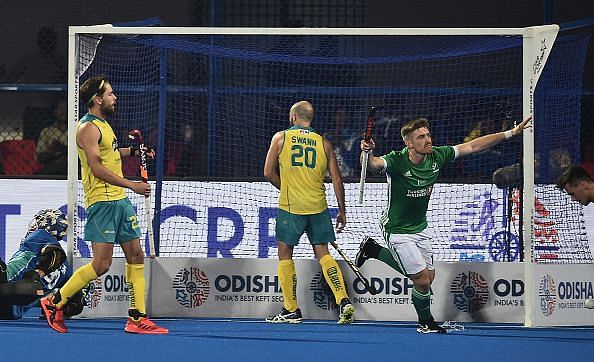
{"x": 508, "y": 134}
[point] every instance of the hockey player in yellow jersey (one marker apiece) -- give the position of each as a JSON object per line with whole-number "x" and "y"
{"x": 110, "y": 215}
{"x": 296, "y": 164}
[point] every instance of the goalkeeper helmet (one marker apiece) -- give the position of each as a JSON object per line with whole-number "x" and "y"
{"x": 52, "y": 221}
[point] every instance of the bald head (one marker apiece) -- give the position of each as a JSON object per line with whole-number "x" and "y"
{"x": 301, "y": 112}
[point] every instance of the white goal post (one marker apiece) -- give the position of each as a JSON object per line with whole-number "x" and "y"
{"x": 537, "y": 43}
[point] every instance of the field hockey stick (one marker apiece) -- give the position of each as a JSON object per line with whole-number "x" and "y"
{"x": 354, "y": 269}
{"x": 367, "y": 136}
{"x": 136, "y": 135}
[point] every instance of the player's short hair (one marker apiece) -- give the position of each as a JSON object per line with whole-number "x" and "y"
{"x": 411, "y": 126}
{"x": 92, "y": 87}
{"x": 572, "y": 175}
{"x": 52, "y": 221}
{"x": 304, "y": 110}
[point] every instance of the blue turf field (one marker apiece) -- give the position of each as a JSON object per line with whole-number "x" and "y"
{"x": 252, "y": 340}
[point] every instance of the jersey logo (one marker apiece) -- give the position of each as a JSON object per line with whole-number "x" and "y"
{"x": 303, "y": 131}
{"x": 434, "y": 167}
{"x": 408, "y": 174}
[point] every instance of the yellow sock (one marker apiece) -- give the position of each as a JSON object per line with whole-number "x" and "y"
{"x": 136, "y": 283}
{"x": 288, "y": 282}
{"x": 81, "y": 277}
{"x": 334, "y": 277}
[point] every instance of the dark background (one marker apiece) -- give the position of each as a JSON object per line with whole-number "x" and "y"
{"x": 24, "y": 92}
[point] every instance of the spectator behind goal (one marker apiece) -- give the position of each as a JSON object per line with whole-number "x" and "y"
{"x": 52, "y": 146}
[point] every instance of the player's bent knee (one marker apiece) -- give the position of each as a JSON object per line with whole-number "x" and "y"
{"x": 137, "y": 258}
{"x": 321, "y": 250}
{"x": 422, "y": 280}
{"x": 21, "y": 292}
{"x": 133, "y": 252}
{"x": 101, "y": 267}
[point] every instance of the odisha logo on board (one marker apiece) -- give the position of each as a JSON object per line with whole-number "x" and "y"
{"x": 470, "y": 291}
{"x": 92, "y": 293}
{"x": 191, "y": 287}
{"x": 547, "y": 292}
{"x": 323, "y": 296}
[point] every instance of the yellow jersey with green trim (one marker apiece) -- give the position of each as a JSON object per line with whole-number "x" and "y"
{"x": 95, "y": 188}
{"x": 302, "y": 166}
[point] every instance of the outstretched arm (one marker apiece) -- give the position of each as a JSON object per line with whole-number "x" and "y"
{"x": 337, "y": 184}
{"x": 271, "y": 165}
{"x": 485, "y": 142}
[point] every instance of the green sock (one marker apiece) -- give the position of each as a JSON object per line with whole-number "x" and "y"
{"x": 386, "y": 256}
{"x": 422, "y": 303}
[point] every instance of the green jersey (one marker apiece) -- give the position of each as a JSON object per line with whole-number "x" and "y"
{"x": 410, "y": 187}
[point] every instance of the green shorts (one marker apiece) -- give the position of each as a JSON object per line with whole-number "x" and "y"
{"x": 318, "y": 227}
{"x": 111, "y": 221}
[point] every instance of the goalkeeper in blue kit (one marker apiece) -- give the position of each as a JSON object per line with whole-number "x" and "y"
{"x": 38, "y": 266}
{"x": 411, "y": 174}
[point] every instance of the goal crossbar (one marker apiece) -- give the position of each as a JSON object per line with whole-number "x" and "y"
{"x": 110, "y": 29}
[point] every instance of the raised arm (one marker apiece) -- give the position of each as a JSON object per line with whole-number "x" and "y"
{"x": 271, "y": 165}
{"x": 337, "y": 184}
{"x": 485, "y": 142}
{"x": 87, "y": 138}
{"x": 375, "y": 163}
